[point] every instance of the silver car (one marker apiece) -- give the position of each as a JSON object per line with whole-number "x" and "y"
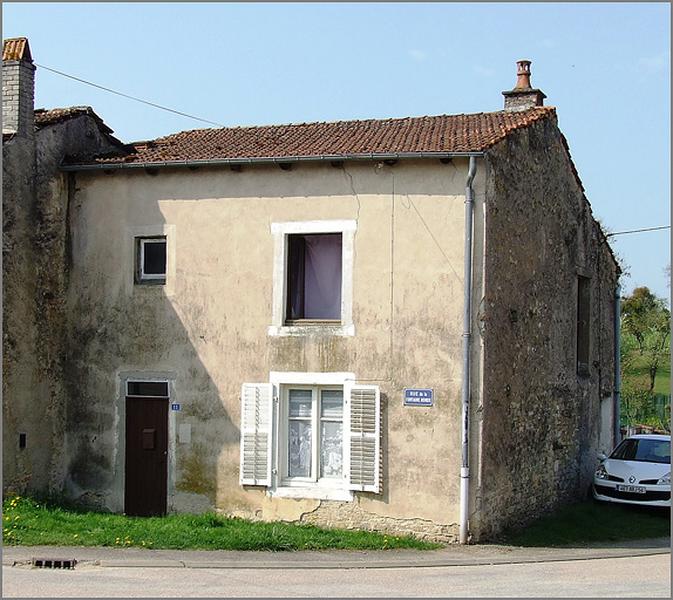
{"x": 637, "y": 472}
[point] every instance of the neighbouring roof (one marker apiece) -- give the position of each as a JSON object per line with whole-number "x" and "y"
{"x": 44, "y": 117}
{"x": 16, "y": 49}
{"x": 347, "y": 139}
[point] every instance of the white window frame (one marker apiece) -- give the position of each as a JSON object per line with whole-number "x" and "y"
{"x": 130, "y": 258}
{"x": 151, "y": 277}
{"x": 280, "y": 232}
{"x": 298, "y": 487}
{"x": 284, "y": 420}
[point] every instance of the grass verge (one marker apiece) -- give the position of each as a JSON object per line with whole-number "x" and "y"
{"x": 27, "y": 522}
{"x": 591, "y": 521}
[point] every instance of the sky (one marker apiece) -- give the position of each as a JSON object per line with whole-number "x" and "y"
{"x": 605, "y": 66}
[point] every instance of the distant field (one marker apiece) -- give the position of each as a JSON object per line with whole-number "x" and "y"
{"x": 662, "y": 383}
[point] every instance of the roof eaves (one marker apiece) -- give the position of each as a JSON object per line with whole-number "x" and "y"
{"x": 266, "y": 160}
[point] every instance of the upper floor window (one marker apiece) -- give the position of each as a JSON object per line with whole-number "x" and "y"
{"x": 151, "y": 260}
{"x": 313, "y": 277}
{"x": 314, "y": 265}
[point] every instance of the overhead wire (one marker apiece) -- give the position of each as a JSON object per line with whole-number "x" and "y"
{"x": 107, "y": 89}
{"x": 638, "y": 230}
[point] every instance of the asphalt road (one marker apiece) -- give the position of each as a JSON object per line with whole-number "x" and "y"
{"x": 637, "y": 576}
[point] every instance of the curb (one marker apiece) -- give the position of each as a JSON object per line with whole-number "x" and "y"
{"x": 345, "y": 563}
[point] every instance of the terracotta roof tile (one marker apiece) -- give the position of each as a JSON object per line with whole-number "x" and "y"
{"x": 443, "y": 133}
{"x": 16, "y": 49}
{"x": 44, "y": 117}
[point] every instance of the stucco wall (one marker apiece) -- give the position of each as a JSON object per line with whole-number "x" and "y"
{"x": 35, "y": 268}
{"x": 541, "y": 420}
{"x": 207, "y": 328}
{"x": 20, "y": 383}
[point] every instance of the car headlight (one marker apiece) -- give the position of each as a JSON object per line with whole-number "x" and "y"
{"x": 665, "y": 480}
{"x": 601, "y": 473}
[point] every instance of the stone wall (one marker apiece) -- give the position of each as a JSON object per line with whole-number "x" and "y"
{"x": 351, "y": 515}
{"x": 36, "y": 260}
{"x": 541, "y": 420}
{"x": 20, "y": 386}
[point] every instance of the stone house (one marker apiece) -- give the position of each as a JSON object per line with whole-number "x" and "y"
{"x": 404, "y": 325}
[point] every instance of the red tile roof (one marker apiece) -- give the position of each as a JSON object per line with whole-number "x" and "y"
{"x": 45, "y": 117}
{"x": 415, "y": 135}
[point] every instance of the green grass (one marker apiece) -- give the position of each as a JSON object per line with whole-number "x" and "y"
{"x": 662, "y": 382}
{"x": 588, "y": 522}
{"x": 27, "y": 522}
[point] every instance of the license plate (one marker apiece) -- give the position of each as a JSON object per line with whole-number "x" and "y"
{"x": 637, "y": 489}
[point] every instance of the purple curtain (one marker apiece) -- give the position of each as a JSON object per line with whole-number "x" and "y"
{"x": 322, "y": 283}
{"x": 314, "y": 276}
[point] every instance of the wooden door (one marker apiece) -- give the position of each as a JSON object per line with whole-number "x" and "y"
{"x": 146, "y": 456}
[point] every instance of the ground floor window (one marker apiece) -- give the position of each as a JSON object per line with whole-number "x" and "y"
{"x": 313, "y": 433}
{"x": 310, "y": 433}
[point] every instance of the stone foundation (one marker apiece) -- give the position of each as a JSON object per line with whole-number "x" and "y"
{"x": 350, "y": 515}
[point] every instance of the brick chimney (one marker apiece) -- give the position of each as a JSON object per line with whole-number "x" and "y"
{"x": 18, "y": 88}
{"x": 523, "y": 96}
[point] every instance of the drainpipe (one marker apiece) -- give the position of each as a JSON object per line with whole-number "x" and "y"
{"x": 617, "y": 360}
{"x": 465, "y": 393}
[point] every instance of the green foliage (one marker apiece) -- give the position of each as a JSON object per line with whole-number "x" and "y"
{"x": 646, "y": 333}
{"x": 588, "y": 522}
{"x": 645, "y": 360}
{"x": 29, "y": 523}
{"x": 642, "y": 407}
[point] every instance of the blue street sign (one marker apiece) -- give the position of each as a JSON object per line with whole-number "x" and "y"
{"x": 418, "y": 397}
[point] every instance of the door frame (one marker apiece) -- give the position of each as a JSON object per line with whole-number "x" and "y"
{"x": 119, "y": 484}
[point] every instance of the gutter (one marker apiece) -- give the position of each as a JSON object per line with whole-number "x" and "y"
{"x": 617, "y": 367}
{"x": 467, "y": 326}
{"x": 266, "y": 160}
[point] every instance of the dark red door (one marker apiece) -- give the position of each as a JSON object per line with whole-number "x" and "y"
{"x": 146, "y": 456}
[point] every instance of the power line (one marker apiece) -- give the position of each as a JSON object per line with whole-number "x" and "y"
{"x": 101, "y": 87}
{"x": 638, "y": 230}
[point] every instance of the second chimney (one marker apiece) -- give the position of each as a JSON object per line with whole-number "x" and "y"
{"x": 18, "y": 88}
{"x": 523, "y": 96}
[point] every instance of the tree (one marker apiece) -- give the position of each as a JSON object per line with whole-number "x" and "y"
{"x": 646, "y": 333}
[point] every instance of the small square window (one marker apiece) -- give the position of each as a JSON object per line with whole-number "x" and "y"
{"x": 151, "y": 260}
{"x": 314, "y": 266}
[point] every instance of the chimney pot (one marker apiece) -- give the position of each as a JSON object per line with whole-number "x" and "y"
{"x": 522, "y": 75}
{"x": 523, "y": 96}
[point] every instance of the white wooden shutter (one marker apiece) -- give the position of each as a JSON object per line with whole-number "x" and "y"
{"x": 256, "y": 428}
{"x": 362, "y": 428}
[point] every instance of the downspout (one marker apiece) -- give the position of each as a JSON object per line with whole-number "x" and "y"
{"x": 465, "y": 392}
{"x": 617, "y": 367}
